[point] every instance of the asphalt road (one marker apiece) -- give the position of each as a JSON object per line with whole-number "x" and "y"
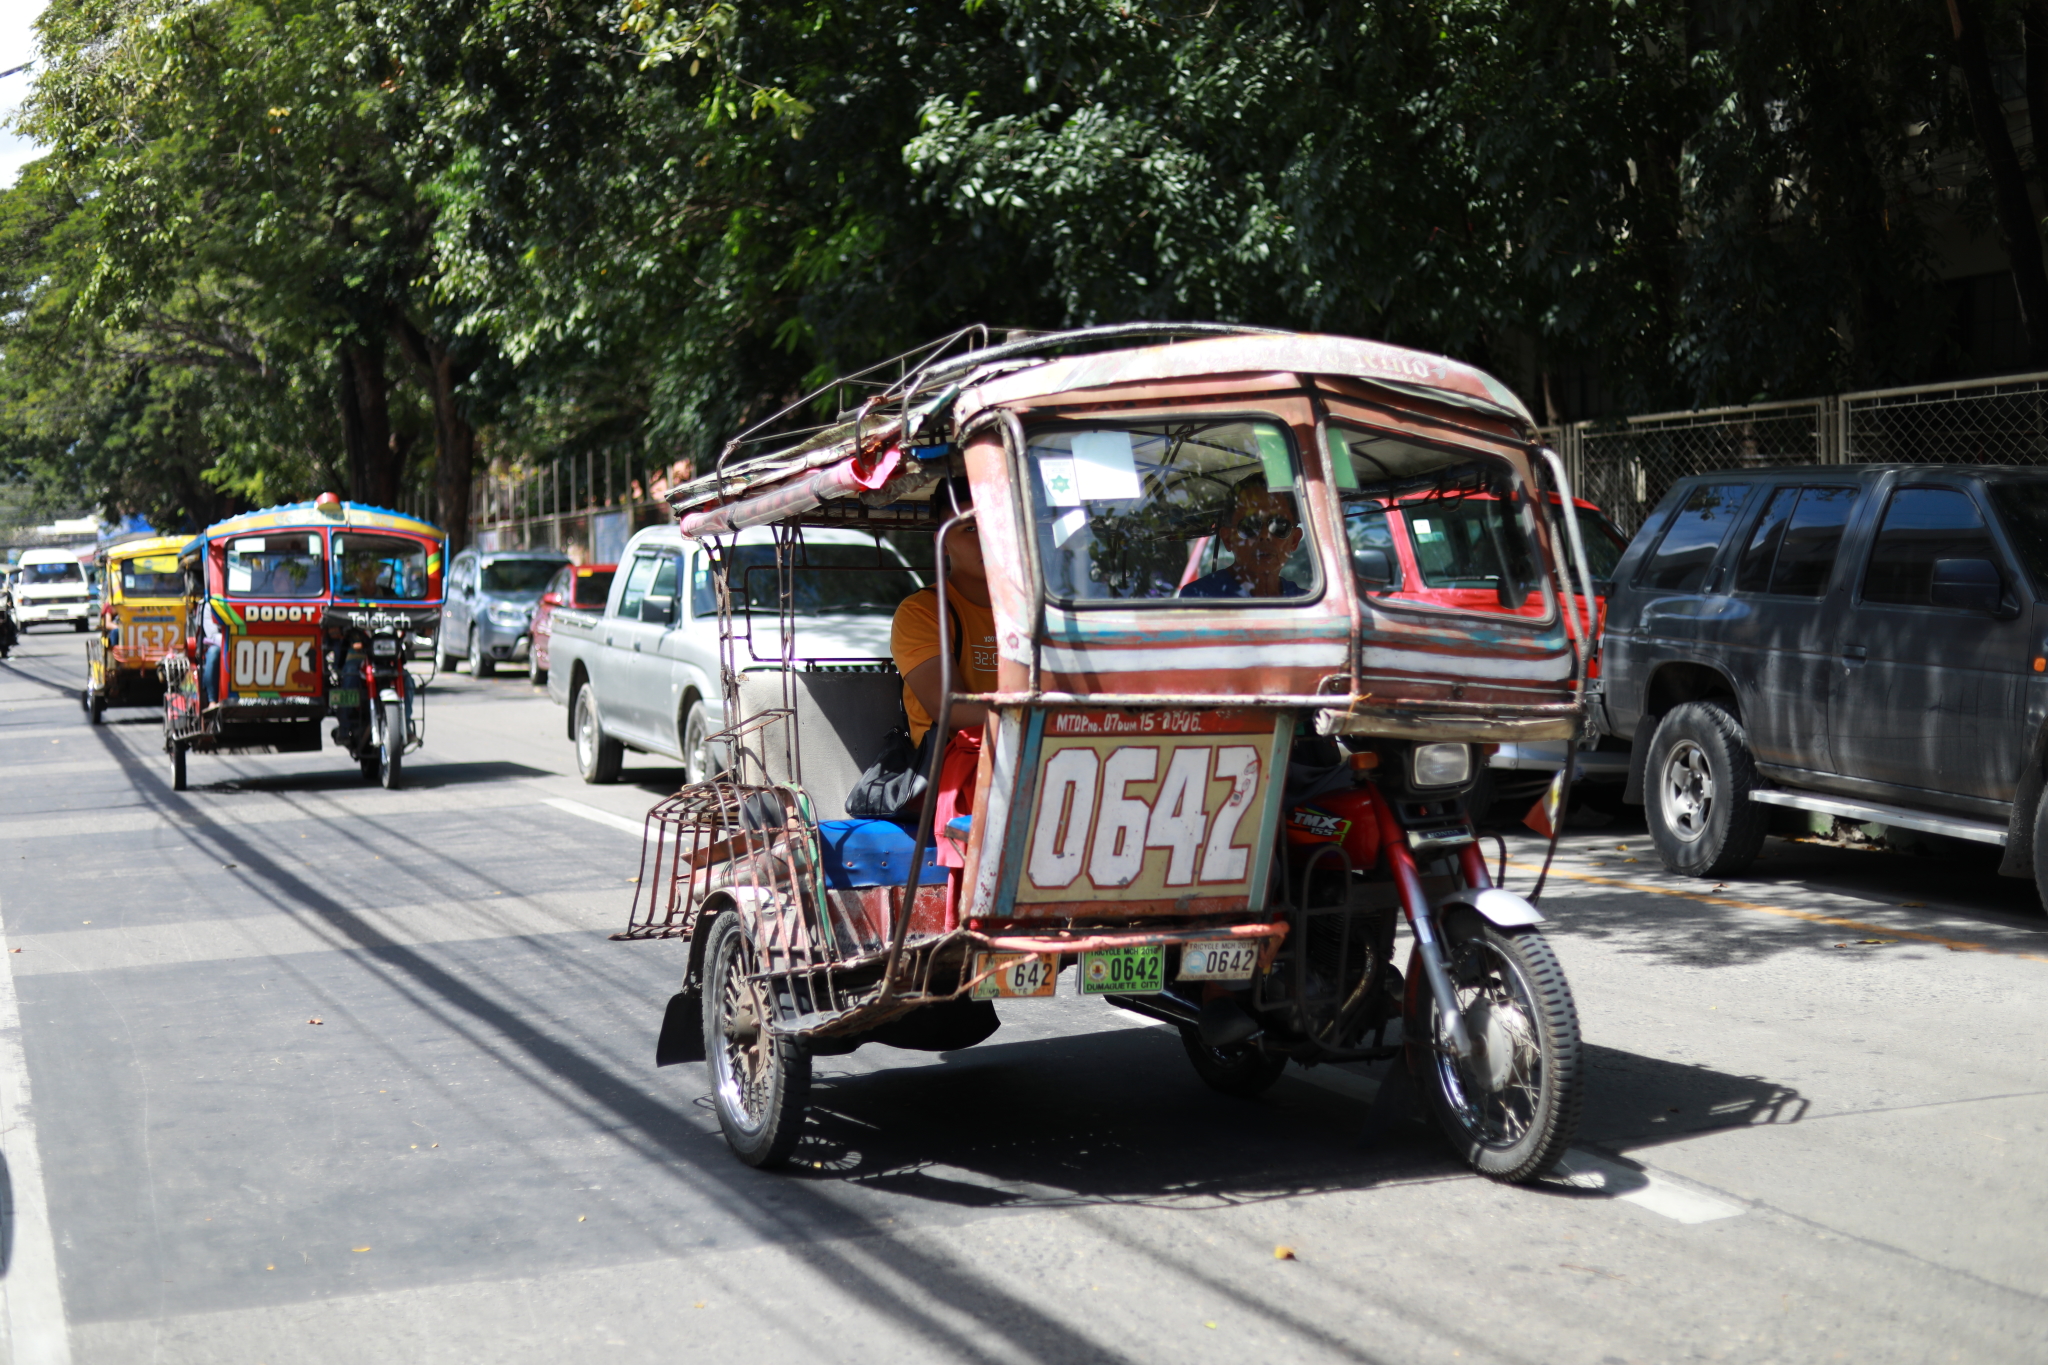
{"x": 317, "y": 1072}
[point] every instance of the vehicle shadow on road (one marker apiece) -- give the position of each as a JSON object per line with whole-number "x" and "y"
{"x": 1634, "y": 1101}
{"x": 1116, "y": 1117}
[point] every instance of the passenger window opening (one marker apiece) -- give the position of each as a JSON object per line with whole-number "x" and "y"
{"x": 381, "y": 568}
{"x": 1194, "y": 510}
{"x": 1457, "y": 518}
{"x": 287, "y": 564}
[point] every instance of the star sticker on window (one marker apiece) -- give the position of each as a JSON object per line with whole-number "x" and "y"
{"x": 1060, "y": 483}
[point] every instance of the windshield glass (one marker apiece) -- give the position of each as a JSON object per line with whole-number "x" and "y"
{"x": 1198, "y": 509}
{"x": 2023, "y": 506}
{"x": 828, "y": 580}
{"x": 380, "y": 568}
{"x": 284, "y": 564}
{"x": 1604, "y": 544}
{"x": 1463, "y": 515}
{"x": 520, "y": 577}
{"x": 39, "y": 575}
{"x": 152, "y": 576}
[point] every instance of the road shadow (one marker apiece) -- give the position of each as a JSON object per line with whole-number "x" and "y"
{"x": 1116, "y": 1117}
{"x": 1633, "y": 1101}
{"x": 347, "y": 777}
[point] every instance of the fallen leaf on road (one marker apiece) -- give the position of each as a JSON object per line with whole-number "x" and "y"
{"x": 700, "y": 1304}
{"x": 579, "y": 1217}
{"x": 1284, "y": 1254}
{"x": 315, "y": 1021}
{"x": 1874, "y": 940}
{"x": 15, "y": 950}
{"x": 1210, "y": 1325}
{"x": 362, "y": 1248}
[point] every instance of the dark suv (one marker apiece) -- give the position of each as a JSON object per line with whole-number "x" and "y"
{"x": 1866, "y": 641}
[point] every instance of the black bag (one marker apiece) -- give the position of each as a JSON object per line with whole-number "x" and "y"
{"x": 893, "y": 786}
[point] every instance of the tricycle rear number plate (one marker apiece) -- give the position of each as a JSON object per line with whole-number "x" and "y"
{"x": 1124, "y": 971}
{"x": 1017, "y": 975}
{"x": 1219, "y": 960}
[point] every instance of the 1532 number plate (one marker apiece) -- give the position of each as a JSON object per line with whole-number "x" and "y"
{"x": 1124, "y": 971}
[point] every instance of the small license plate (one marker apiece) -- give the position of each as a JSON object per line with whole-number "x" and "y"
{"x": 1124, "y": 971}
{"x": 1220, "y": 959}
{"x": 1017, "y": 976}
{"x": 345, "y": 698}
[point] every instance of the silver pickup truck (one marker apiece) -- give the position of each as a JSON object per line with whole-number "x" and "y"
{"x": 643, "y": 674}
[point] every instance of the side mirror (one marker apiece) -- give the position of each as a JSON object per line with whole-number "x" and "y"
{"x": 657, "y": 611}
{"x": 1374, "y": 567}
{"x": 551, "y": 599}
{"x": 1967, "y": 585}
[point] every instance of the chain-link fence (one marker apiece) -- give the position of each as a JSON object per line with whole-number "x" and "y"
{"x": 1626, "y": 467}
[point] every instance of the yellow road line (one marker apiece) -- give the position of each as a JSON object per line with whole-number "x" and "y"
{"x": 1784, "y": 912}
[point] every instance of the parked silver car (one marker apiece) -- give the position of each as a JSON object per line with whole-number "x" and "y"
{"x": 643, "y": 672}
{"x": 491, "y": 597}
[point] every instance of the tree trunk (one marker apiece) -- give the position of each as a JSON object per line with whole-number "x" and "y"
{"x": 2008, "y": 182}
{"x": 454, "y": 437}
{"x": 374, "y": 461}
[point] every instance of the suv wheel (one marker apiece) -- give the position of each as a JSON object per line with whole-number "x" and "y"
{"x": 481, "y": 664}
{"x": 1697, "y": 783}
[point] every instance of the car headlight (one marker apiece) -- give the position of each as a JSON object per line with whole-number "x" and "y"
{"x": 507, "y": 614}
{"x": 1442, "y": 765}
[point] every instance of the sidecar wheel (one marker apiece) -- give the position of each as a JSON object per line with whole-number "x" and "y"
{"x": 177, "y": 766}
{"x": 760, "y": 1084}
{"x": 1242, "y": 1070}
{"x": 1511, "y": 1109}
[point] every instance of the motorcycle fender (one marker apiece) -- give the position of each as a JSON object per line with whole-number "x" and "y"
{"x": 1496, "y": 905}
{"x": 387, "y": 695}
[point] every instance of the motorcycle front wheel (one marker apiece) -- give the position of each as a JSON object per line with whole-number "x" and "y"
{"x": 1512, "y": 1107}
{"x": 391, "y": 745}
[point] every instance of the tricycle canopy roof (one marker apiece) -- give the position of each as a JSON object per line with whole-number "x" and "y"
{"x": 770, "y": 474}
{"x": 142, "y": 547}
{"x": 346, "y": 516}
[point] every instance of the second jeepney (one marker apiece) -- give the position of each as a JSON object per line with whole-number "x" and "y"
{"x": 1224, "y": 758}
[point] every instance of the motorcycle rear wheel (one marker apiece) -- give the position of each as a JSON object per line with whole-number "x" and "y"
{"x": 1512, "y": 1108}
{"x": 1242, "y": 1070}
{"x": 760, "y": 1084}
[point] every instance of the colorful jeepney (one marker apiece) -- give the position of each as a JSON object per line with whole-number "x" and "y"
{"x": 141, "y": 622}
{"x": 299, "y": 615}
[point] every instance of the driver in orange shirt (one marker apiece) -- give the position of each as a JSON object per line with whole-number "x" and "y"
{"x": 914, "y": 635}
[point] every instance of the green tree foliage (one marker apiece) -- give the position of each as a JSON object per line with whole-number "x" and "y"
{"x": 340, "y": 233}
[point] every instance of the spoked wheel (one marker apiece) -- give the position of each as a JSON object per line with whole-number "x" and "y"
{"x": 760, "y": 1084}
{"x": 1241, "y": 1070}
{"x": 1512, "y": 1107}
{"x": 96, "y": 706}
{"x": 390, "y": 755}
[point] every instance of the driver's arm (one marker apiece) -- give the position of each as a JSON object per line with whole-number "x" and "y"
{"x": 924, "y": 685}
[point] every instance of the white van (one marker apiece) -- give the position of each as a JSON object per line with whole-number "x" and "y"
{"x": 52, "y": 587}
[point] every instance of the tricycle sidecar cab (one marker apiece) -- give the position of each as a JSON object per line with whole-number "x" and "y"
{"x": 1184, "y": 547}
